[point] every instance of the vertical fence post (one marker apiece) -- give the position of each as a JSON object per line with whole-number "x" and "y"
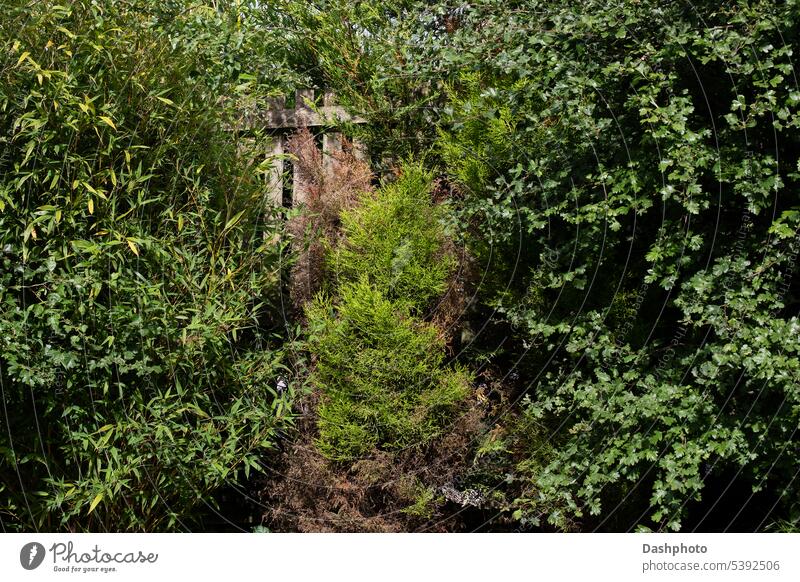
{"x": 275, "y": 177}
{"x": 275, "y": 184}
{"x": 331, "y": 142}
{"x": 302, "y": 114}
{"x": 360, "y": 150}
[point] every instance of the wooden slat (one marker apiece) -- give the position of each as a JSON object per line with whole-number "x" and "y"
{"x": 331, "y": 147}
{"x": 305, "y": 117}
{"x": 360, "y": 150}
{"x": 299, "y": 194}
{"x": 277, "y": 103}
{"x": 275, "y": 178}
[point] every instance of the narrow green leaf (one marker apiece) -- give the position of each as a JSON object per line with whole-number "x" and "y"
{"x": 232, "y": 222}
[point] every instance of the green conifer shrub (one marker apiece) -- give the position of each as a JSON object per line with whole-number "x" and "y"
{"x": 396, "y": 240}
{"x": 380, "y": 367}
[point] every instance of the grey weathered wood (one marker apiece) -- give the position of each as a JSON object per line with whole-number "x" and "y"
{"x": 303, "y": 99}
{"x": 331, "y": 148}
{"x": 305, "y": 117}
{"x": 331, "y": 142}
{"x": 304, "y": 114}
{"x": 299, "y": 193}
{"x": 360, "y": 150}
{"x": 276, "y": 103}
{"x": 275, "y": 178}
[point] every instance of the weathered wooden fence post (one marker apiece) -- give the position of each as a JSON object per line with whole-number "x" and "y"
{"x": 275, "y": 183}
{"x": 331, "y": 142}
{"x": 303, "y": 117}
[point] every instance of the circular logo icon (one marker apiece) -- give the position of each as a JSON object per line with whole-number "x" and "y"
{"x": 31, "y": 555}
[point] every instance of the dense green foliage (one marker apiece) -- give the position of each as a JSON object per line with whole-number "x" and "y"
{"x": 136, "y": 374}
{"x": 396, "y": 241}
{"x": 621, "y": 179}
{"x": 629, "y": 171}
{"x": 379, "y": 366}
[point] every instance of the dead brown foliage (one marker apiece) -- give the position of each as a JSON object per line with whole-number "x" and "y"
{"x": 308, "y": 493}
{"x": 452, "y": 307}
{"x": 329, "y": 186}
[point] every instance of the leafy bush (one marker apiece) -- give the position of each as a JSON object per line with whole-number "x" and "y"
{"x": 135, "y": 280}
{"x": 651, "y": 172}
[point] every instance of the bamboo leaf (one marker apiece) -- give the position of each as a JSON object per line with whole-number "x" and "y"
{"x": 108, "y": 121}
{"x": 232, "y": 222}
{"x": 98, "y": 498}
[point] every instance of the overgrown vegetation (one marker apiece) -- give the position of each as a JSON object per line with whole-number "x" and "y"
{"x": 577, "y": 311}
{"x": 380, "y": 366}
{"x": 628, "y": 175}
{"x": 388, "y": 405}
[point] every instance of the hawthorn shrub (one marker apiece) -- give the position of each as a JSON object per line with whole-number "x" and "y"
{"x": 628, "y": 177}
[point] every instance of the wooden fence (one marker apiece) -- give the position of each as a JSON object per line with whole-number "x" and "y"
{"x": 281, "y": 121}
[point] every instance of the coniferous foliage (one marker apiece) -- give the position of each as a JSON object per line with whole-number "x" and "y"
{"x": 379, "y": 366}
